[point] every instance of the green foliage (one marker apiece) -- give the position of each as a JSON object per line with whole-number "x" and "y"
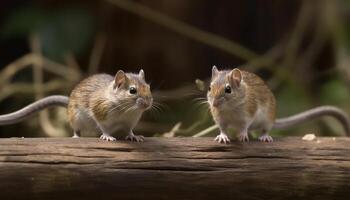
{"x": 335, "y": 92}
{"x": 61, "y": 31}
{"x": 291, "y": 100}
{"x": 24, "y": 21}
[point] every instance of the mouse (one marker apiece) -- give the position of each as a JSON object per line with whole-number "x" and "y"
{"x": 101, "y": 103}
{"x": 241, "y": 100}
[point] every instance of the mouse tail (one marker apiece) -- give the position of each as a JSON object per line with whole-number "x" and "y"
{"x": 12, "y": 118}
{"x": 311, "y": 114}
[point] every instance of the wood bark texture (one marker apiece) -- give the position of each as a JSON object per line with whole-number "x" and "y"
{"x": 174, "y": 168}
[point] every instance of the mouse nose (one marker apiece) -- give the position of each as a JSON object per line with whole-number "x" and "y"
{"x": 218, "y": 101}
{"x": 144, "y": 102}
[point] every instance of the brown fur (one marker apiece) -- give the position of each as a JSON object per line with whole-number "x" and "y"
{"x": 143, "y": 88}
{"x": 107, "y": 104}
{"x": 100, "y": 108}
{"x": 258, "y": 93}
{"x": 89, "y": 94}
{"x": 239, "y": 108}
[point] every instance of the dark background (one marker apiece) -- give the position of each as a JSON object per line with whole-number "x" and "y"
{"x": 299, "y": 47}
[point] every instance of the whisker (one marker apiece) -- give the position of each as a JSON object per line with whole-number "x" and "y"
{"x": 120, "y": 105}
{"x": 155, "y": 108}
{"x": 202, "y": 103}
{"x": 199, "y": 99}
{"x": 158, "y": 109}
{"x": 158, "y": 106}
{"x": 125, "y": 105}
{"x": 151, "y": 111}
{"x": 131, "y": 108}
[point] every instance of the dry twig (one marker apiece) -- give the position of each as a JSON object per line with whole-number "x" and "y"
{"x": 96, "y": 53}
{"x": 44, "y": 118}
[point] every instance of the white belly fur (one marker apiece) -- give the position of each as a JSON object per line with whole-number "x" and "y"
{"x": 116, "y": 123}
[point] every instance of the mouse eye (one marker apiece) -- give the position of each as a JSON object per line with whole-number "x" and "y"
{"x": 228, "y": 89}
{"x": 209, "y": 88}
{"x": 132, "y": 90}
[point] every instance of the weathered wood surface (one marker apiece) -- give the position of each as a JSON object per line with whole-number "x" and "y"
{"x": 174, "y": 168}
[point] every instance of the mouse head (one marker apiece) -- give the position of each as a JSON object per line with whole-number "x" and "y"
{"x": 226, "y": 88}
{"x": 132, "y": 90}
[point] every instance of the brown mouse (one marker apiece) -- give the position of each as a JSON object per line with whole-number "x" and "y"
{"x": 100, "y": 103}
{"x": 242, "y": 100}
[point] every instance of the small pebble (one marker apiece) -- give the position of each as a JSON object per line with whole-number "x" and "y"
{"x": 309, "y": 137}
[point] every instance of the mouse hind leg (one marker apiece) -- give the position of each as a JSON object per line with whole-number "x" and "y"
{"x": 76, "y": 128}
{"x": 75, "y": 121}
{"x": 265, "y": 137}
{"x": 270, "y": 116}
{"x": 76, "y": 134}
{"x": 266, "y": 125}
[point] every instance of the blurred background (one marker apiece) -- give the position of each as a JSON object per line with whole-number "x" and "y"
{"x": 301, "y": 49}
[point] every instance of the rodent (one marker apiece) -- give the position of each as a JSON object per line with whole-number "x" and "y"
{"x": 241, "y": 100}
{"x": 101, "y": 103}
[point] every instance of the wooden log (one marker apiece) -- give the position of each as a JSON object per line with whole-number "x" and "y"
{"x": 174, "y": 168}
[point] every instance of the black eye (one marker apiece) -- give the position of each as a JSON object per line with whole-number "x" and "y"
{"x": 227, "y": 89}
{"x": 209, "y": 88}
{"x": 132, "y": 90}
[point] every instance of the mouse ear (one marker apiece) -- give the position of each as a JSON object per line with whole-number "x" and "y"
{"x": 214, "y": 72}
{"x": 120, "y": 79}
{"x": 235, "y": 77}
{"x": 142, "y": 74}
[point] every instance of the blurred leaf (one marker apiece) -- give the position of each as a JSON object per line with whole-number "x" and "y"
{"x": 70, "y": 30}
{"x": 24, "y": 21}
{"x": 61, "y": 31}
{"x": 291, "y": 100}
{"x": 334, "y": 92}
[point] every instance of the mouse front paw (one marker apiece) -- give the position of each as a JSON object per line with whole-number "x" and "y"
{"x": 243, "y": 138}
{"x": 222, "y": 138}
{"x": 107, "y": 137}
{"x": 136, "y": 138}
{"x": 265, "y": 138}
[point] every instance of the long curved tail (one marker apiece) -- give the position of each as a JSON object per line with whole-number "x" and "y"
{"x": 55, "y": 100}
{"x": 315, "y": 113}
